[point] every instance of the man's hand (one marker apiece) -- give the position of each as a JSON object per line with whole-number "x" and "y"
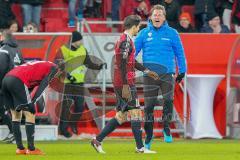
{"x": 180, "y": 77}
{"x": 152, "y": 74}
{"x": 71, "y": 78}
{"x": 103, "y": 65}
{"x": 126, "y": 93}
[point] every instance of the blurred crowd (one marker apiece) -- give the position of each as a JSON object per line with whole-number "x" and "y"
{"x": 207, "y": 16}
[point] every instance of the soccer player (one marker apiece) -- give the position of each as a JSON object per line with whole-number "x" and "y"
{"x": 124, "y": 86}
{"x": 16, "y": 85}
{"x": 162, "y": 52}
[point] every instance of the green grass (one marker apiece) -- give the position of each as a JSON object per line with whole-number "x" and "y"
{"x": 124, "y": 149}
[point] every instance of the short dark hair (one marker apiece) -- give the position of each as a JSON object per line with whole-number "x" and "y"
{"x": 158, "y": 7}
{"x": 7, "y": 34}
{"x": 130, "y": 21}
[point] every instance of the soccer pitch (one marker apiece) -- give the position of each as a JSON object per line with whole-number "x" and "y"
{"x": 124, "y": 149}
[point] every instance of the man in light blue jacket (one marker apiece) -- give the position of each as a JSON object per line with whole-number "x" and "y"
{"x": 162, "y": 50}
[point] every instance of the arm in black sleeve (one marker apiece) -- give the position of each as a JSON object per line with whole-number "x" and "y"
{"x": 89, "y": 64}
{"x": 44, "y": 83}
{"x": 4, "y": 65}
{"x": 139, "y": 66}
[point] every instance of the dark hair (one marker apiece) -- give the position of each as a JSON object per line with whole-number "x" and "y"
{"x": 7, "y": 34}
{"x": 130, "y": 21}
{"x": 158, "y": 7}
{"x": 14, "y": 21}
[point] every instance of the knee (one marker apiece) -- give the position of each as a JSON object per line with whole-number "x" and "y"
{"x": 121, "y": 117}
{"x": 16, "y": 116}
{"x": 136, "y": 114}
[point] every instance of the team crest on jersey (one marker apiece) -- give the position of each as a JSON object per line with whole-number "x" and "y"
{"x": 150, "y": 34}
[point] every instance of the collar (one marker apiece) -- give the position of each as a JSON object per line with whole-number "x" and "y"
{"x": 127, "y": 33}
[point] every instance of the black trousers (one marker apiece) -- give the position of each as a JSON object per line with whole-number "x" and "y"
{"x": 155, "y": 90}
{"x": 72, "y": 105}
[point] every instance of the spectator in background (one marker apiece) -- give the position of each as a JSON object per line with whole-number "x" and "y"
{"x": 31, "y": 11}
{"x": 30, "y": 28}
{"x": 115, "y": 10}
{"x": 72, "y": 11}
{"x": 13, "y": 26}
{"x": 93, "y": 8}
{"x": 202, "y": 7}
{"x": 172, "y": 10}
{"x": 186, "y": 2}
{"x": 154, "y": 2}
{"x": 214, "y": 25}
{"x": 6, "y": 14}
{"x": 227, "y": 11}
{"x": 137, "y": 7}
{"x": 141, "y": 10}
{"x": 236, "y": 15}
{"x": 184, "y": 25}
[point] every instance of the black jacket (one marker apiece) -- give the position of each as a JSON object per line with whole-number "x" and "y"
{"x": 204, "y": 6}
{"x": 173, "y": 11}
{"x": 190, "y": 29}
{"x": 9, "y": 49}
{"x": 32, "y": 2}
{"x": 6, "y": 14}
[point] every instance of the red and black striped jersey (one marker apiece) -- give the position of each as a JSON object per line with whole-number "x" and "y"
{"x": 124, "y": 61}
{"x": 32, "y": 73}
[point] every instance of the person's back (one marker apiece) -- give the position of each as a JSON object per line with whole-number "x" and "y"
{"x": 124, "y": 39}
{"x": 32, "y": 73}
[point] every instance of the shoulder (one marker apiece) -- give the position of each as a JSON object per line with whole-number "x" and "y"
{"x": 172, "y": 32}
{"x": 144, "y": 32}
{"x": 225, "y": 28}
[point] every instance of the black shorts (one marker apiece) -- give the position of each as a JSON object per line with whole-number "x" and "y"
{"x": 15, "y": 92}
{"x": 123, "y": 104}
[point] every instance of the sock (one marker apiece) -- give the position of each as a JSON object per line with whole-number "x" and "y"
{"x": 148, "y": 127}
{"x": 167, "y": 115}
{"x": 7, "y": 120}
{"x": 30, "y": 131}
{"x": 17, "y": 134}
{"x": 111, "y": 126}
{"x": 137, "y": 132}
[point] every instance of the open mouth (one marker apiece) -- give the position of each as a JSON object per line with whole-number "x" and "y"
{"x": 157, "y": 21}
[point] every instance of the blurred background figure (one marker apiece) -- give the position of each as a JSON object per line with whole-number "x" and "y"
{"x": 184, "y": 25}
{"x": 93, "y": 8}
{"x": 6, "y": 14}
{"x": 173, "y": 11}
{"x": 72, "y": 5}
{"x": 202, "y": 8}
{"x": 227, "y": 11}
{"x": 30, "y": 28}
{"x": 214, "y": 25}
{"x": 142, "y": 9}
{"x": 13, "y": 26}
{"x": 236, "y": 15}
{"x": 31, "y": 11}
